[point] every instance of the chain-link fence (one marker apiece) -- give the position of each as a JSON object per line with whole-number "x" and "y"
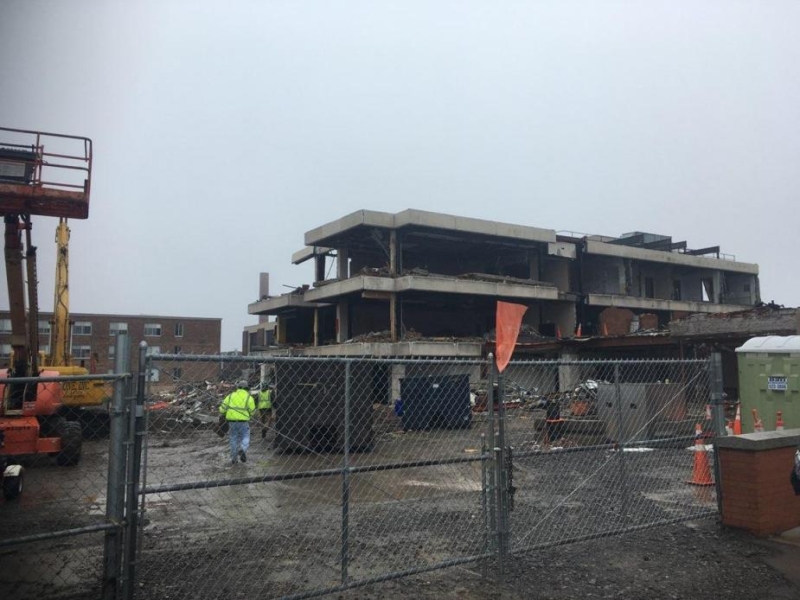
{"x": 598, "y": 448}
{"x": 58, "y": 534}
{"x": 357, "y": 470}
{"x": 364, "y": 470}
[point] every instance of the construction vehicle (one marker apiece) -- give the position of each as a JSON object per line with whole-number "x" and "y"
{"x": 84, "y": 401}
{"x": 35, "y": 182}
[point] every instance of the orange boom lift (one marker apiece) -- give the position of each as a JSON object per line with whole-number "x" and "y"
{"x": 41, "y": 174}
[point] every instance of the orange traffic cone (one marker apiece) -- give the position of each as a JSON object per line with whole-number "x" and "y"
{"x": 737, "y": 422}
{"x": 779, "y": 421}
{"x": 701, "y": 474}
{"x": 578, "y": 331}
{"x": 758, "y": 426}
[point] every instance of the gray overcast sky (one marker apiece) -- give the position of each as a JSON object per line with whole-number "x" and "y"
{"x": 225, "y": 130}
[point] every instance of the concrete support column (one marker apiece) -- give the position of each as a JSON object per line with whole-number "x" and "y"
{"x": 280, "y": 331}
{"x": 569, "y": 376}
{"x": 533, "y": 263}
{"x": 316, "y": 327}
{"x": 394, "y": 325}
{"x": 319, "y": 267}
{"x": 343, "y": 322}
{"x": 398, "y": 372}
{"x": 624, "y": 286}
{"x": 395, "y": 269}
{"x": 342, "y": 264}
{"x": 394, "y": 254}
{"x": 717, "y": 279}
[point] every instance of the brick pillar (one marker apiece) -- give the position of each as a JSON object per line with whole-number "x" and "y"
{"x": 754, "y": 477}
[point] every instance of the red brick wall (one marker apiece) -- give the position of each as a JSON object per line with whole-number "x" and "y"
{"x": 756, "y": 492}
{"x": 615, "y": 321}
{"x": 648, "y": 321}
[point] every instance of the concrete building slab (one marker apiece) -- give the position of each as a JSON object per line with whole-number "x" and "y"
{"x": 656, "y": 304}
{"x": 674, "y": 258}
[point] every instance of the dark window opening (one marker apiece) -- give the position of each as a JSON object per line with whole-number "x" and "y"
{"x": 649, "y": 288}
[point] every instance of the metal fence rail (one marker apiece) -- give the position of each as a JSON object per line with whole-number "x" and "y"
{"x": 61, "y": 534}
{"x": 373, "y": 469}
{"x": 608, "y": 454}
{"x": 363, "y": 470}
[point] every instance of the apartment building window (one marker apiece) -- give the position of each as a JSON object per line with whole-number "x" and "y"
{"x": 79, "y": 352}
{"x": 117, "y": 327}
{"x": 112, "y": 352}
{"x": 178, "y": 329}
{"x": 152, "y": 375}
{"x": 177, "y": 372}
{"x": 649, "y": 288}
{"x": 44, "y": 348}
{"x": 153, "y": 350}
{"x": 5, "y": 349}
{"x": 82, "y": 328}
{"x": 44, "y": 327}
{"x": 152, "y": 329}
{"x": 177, "y": 350}
{"x": 5, "y": 325}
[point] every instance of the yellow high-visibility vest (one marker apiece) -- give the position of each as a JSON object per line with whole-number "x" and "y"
{"x": 238, "y": 406}
{"x": 265, "y": 399}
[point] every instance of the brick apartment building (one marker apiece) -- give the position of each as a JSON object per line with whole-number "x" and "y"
{"x": 93, "y": 343}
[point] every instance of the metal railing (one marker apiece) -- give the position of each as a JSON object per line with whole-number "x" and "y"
{"x": 49, "y": 168}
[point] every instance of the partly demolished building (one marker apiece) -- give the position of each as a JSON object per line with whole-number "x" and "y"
{"x": 418, "y": 283}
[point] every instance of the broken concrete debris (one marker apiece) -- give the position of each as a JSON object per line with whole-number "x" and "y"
{"x": 187, "y": 405}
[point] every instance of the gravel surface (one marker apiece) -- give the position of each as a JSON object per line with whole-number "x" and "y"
{"x": 694, "y": 560}
{"x": 265, "y": 540}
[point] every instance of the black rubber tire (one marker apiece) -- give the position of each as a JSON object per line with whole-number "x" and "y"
{"x": 12, "y": 486}
{"x": 71, "y": 443}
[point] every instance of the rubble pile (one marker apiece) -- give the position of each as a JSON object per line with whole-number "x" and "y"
{"x": 408, "y": 336}
{"x": 504, "y": 279}
{"x": 187, "y": 405}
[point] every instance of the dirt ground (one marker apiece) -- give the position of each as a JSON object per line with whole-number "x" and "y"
{"x": 676, "y": 562}
{"x": 280, "y": 538}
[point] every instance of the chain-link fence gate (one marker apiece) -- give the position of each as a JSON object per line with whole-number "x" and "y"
{"x": 366, "y": 470}
{"x": 604, "y": 450}
{"x": 363, "y": 470}
{"x": 62, "y": 513}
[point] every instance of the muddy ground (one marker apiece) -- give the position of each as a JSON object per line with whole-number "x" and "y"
{"x": 280, "y": 538}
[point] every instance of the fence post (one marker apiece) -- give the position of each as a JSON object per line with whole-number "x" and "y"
{"x": 134, "y": 472}
{"x": 718, "y": 413}
{"x": 115, "y": 493}
{"x": 492, "y": 469}
{"x": 346, "y": 473}
{"x": 621, "y": 442}
{"x": 484, "y": 497}
{"x": 502, "y": 481}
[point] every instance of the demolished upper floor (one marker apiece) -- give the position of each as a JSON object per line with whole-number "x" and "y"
{"x": 372, "y": 253}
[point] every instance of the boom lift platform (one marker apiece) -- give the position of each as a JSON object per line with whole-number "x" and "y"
{"x": 41, "y": 174}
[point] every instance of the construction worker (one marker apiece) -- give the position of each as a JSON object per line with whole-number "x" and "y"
{"x": 238, "y": 407}
{"x": 265, "y": 408}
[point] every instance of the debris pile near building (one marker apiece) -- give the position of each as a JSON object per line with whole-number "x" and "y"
{"x": 409, "y": 335}
{"x": 187, "y": 405}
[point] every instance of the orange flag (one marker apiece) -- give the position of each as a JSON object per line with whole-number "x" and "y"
{"x": 509, "y": 319}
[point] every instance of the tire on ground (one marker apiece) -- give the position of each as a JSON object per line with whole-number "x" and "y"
{"x": 12, "y": 486}
{"x": 71, "y": 442}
